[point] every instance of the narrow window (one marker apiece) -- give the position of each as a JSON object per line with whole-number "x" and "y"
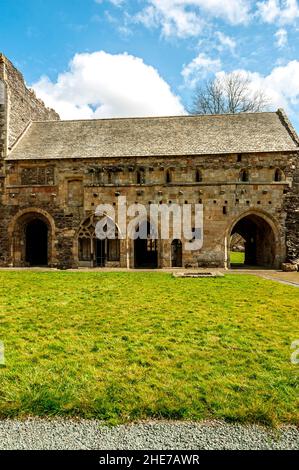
{"x": 239, "y": 158}
{"x": 278, "y": 175}
{"x": 138, "y": 177}
{"x": 168, "y": 177}
{"x": 244, "y": 176}
{"x": 198, "y": 176}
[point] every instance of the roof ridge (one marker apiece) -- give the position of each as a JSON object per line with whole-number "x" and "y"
{"x": 141, "y": 118}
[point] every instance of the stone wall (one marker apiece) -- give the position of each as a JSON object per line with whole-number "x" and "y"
{"x": 291, "y": 206}
{"x": 19, "y": 106}
{"x": 66, "y": 192}
{"x": 70, "y": 190}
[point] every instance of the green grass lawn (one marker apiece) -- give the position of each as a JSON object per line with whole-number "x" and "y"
{"x": 237, "y": 257}
{"x": 128, "y": 346}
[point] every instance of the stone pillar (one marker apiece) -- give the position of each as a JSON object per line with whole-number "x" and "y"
{"x": 65, "y": 255}
{"x": 123, "y": 245}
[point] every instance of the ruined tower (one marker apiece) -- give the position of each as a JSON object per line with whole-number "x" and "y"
{"x": 18, "y": 106}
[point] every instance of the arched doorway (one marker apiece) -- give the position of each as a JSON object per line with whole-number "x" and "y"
{"x": 32, "y": 233}
{"x": 146, "y": 247}
{"x": 258, "y": 241}
{"x": 176, "y": 254}
{"x": 36, "y": 235}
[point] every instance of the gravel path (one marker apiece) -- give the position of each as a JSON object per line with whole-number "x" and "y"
{"x": 82, "y": 434}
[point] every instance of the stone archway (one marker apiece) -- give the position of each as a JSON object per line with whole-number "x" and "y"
{"x": 32, "y": 238}
{"x": 261, "y": 240}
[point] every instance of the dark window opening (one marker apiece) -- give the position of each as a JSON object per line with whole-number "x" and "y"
{"x": 198, "y": 176}
{"x": 168, "y": 177}
{"x": 278, "y": 175}
{"x": 244, "y": 176}
{"x": 140, "y": 177}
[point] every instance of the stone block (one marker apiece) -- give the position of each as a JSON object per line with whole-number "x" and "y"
{"x": 289, "y": 267}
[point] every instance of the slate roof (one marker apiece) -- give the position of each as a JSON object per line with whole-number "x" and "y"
{"x": 158, "y": 136}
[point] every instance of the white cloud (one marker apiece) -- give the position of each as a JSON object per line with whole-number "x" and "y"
{"x": 281, "y": 86}
{"x": 226, "y": 42}
{"x": 100, "y": 85}
{"x": 199, "y": 68}
{"x": 278, "y": 11}
{"x": 185, "y": 18}
{"x": 281, "y": 37}
{"x": 172, "y": 18}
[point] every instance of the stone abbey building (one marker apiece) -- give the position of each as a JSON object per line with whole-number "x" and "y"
{"x": 243, "y": 168}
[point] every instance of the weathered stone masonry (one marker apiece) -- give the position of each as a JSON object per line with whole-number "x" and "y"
{"x": 244, "y": 169}
{"x": 291, "y": 203}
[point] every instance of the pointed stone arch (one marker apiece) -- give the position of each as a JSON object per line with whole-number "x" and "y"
{"x": 263, "y": 245}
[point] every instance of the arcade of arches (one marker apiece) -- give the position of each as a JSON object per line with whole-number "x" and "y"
{"x": 32, "y": 244}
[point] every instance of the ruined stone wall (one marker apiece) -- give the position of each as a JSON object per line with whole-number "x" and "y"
{"x": 291, "y": 206}
{"x": 19, "y": 106}
{"x": 70, "y": 190}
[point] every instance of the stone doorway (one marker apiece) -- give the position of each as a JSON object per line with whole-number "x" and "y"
{"x": 176, "y": 254}
{"x": 258, "y": 240}
{"x": 146, "y": 249}
{"x": 36, "y": 235}
{"x": 32, "y": 233}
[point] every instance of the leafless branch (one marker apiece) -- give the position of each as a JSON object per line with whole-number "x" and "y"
{"x": 230, "y": 94}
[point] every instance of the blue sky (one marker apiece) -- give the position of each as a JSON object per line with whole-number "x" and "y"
{"x": 103, "y": 58}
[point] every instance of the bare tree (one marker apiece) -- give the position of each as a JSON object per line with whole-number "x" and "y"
{"x": 229, "y": 94}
